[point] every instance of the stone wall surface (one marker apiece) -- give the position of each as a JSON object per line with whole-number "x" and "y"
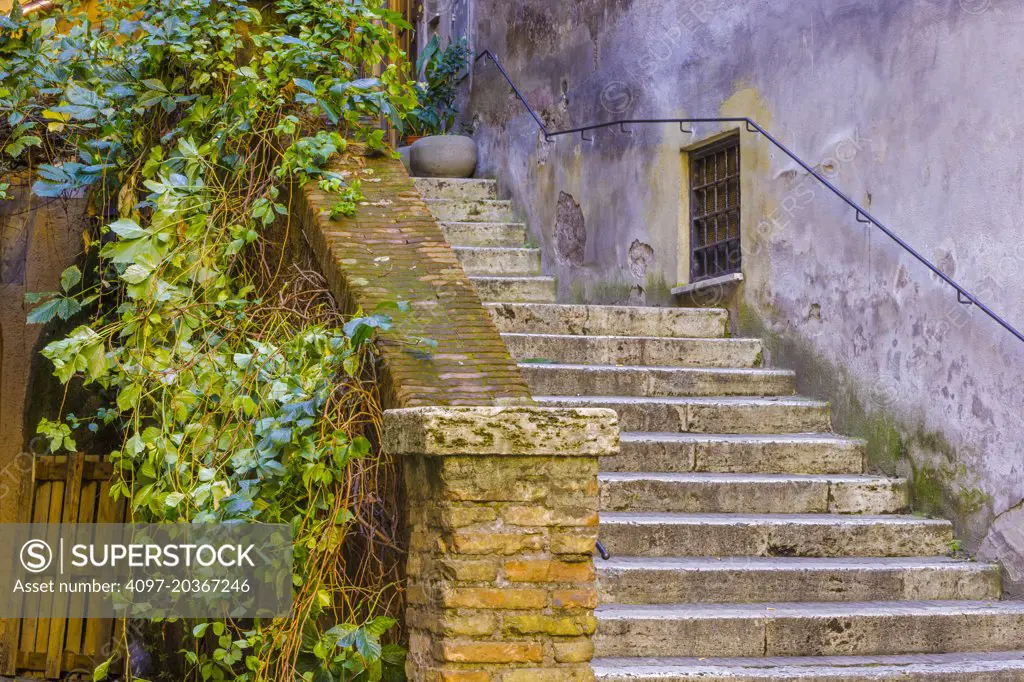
{"x": 39, "y": 238}
{"x": 911, "y": 107}
{"x": 445, "y": 350}
{"x": 502, "y": 510}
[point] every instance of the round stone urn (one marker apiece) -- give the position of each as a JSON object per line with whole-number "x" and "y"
{"x": 443, "y": 156}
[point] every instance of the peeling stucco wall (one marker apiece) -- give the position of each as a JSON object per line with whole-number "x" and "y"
{"x": 911, "y": 107}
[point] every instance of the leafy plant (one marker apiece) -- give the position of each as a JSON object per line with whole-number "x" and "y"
{"x": 230, "y": 387}
{"x": 345, "y": 207}
{"x": 439, "y": 72}
{"x": 63, "y": 304}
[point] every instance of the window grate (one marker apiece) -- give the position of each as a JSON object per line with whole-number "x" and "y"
{"x": 715, "y": 210}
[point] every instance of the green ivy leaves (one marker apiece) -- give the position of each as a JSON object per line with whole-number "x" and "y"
{"x": 62, "y": 304}
{"x": 185, "y": 121}
{"x": 81, "y": 352}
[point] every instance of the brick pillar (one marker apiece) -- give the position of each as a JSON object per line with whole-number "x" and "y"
{"x": 502, "y": 514}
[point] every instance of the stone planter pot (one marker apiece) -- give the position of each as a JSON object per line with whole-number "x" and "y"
{"x": 404, "y": 154}
{"x": 443, "y": 156}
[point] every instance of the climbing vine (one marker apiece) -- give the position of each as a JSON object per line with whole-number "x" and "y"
{"x": 229, "y": 387}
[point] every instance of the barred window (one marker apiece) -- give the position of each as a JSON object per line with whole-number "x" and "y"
{"x": 715, "y": 210}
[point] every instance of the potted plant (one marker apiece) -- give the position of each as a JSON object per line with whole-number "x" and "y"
{"x": 436, "y": 152}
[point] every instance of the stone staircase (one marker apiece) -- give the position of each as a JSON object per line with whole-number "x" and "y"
{"x": 748, "y": 542}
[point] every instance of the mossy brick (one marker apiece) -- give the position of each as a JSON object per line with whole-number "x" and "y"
{"x": 470, "y": 571}
{"x": 558, "y": 626}
{"x": 422, "y": 619}
{"x": 417, "y": 594}
{"x": 464, "y": 676}
{"x": 549, "y": 571}
{"x": 423, "y": 267}
{"x": 471, "y": 543}
{"x": 495, "y": 598}
{"x": 532, "y": 516}
{"x": 581, "y": 598}
{"x": 574, "y": 650}
{"x": 505, "y": 524}
{"x": 456, "y": 651}
{"x": 566, "y": 674}
{"x": 422, "y": 540}
{"x": 560, "y": 476}
{"x": 495, "y": 486}
{"x": 514, "y": 431}
{"x": 460, "y": 516}
{"x": 469, "y": 624}
{"x": 574, "y": 541}
{"x": 420, "y": 644}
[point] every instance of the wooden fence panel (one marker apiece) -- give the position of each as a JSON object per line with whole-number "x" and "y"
{"x": 64, "y": 489}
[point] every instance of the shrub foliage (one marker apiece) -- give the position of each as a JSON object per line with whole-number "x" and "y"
{"x": 230, "y": 388}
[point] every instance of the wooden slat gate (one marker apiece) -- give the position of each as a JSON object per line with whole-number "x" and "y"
{"x": 64, "y": 489}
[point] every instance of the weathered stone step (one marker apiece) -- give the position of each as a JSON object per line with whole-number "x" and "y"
{"x": 484, "y": 234}
{"x": 516, "y": 289}
{"x": 809, "y": 629}
{"x": 499, "y": 261}
{"x": 821, "y": 535}
{"x": 961, "y": 667}
{"x": 752, "y": 493}
{"x": 643, "y": 580}
{"x": 456, "y": 188}
{"x": 737, "y": 453}
{"x": 462, "y": 211}
{"x": 635, "y": 350}
{"x": 708, "y": 415}
{"x": 555, "y": 379}
{"x": 608, "y": 320}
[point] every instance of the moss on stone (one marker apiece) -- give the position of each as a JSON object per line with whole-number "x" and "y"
{"x": 943, "y": 490}
{"x": 657, "y": 291}
{"x": 613, "y": 292}
{"x": 894, "y": 447}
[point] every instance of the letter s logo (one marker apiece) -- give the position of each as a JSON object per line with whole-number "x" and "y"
{"x": 36, "y": 556}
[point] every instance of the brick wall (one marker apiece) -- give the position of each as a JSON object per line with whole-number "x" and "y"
{"x": 502, "y": 512}
{"x": 393, "y": 250}
{"x": 501, "y": 503}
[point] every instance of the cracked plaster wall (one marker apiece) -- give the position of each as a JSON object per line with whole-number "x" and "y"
{"x": 911, "y": 107}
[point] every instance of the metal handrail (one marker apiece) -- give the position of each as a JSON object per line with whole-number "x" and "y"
{"x": 863, "y": 216}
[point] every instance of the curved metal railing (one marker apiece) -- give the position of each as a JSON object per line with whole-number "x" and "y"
{"x": 863, "y": 216}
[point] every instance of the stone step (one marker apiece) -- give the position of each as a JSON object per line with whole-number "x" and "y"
{"x": 809, "y": 629}
{"x": 753, "y": 493}
{"x": 642, "y": 580}
{"x": 609, "y": 320}
{"x": 821, "y": 535}
{"x": 499, "y": 261}
{"x": 961, "y": 667}
{"x": 515, "y": 289}
{"x": 456, "y": 188}
{"x": 635, "y": 350}
{"x": 479, "y": 211}
{"x": 555, "y": 379}
{"x": 708, "y": 415}
{"x": 795, "y": 453}
{"x": 484, "y": 234}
